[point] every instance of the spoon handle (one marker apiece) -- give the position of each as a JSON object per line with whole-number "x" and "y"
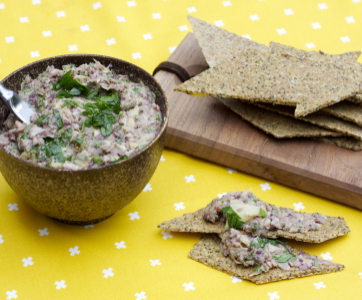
{"x": 6, "y": 96}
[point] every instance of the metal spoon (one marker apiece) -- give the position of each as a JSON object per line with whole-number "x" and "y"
{"x": 12, "y": 101}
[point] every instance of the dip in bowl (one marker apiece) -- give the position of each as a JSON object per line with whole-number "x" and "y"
{"x": 102, "y": 165}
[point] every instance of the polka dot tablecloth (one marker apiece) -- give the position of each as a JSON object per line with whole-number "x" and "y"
{"x": 127, "y": 256}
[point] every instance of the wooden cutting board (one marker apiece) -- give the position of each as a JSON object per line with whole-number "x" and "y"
{"x": 205, "y": 128}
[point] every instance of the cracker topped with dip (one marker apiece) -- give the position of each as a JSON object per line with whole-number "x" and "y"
{"x": 212, "y": 252}
{"x": 240, "y": 238}
{"x": 245, "y": 212}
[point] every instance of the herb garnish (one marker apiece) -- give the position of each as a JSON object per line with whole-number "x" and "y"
{"x": 97, "y": 160}
{"x": 100, "y": 114}
{"x": 71, "y": 87}
{"x": 58, "y": 118}
{"x": 68, "y": 133}
{"x": 119, "y": 159}
{"x": 261, "y": 243}
{"x": 41, "y": 119}
{"x": 263, "y": 213}
{"x": 234, "y": 220}
{"x": 53, "y": 147}
{"x": 79, "y": 141}
{"x": 69, "y": 103}
{"x": 25, "y": 135}
{"x": 283, "y": 258}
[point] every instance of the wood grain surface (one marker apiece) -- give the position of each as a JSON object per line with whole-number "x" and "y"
{"x": 205, "y": 128}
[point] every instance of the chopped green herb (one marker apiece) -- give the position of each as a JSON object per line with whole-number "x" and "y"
{"x": 106, "y": 131}
{"x": 255, "y": 228}
{"x": 58, "y": 118}
{"x": 119, "y": 159}
{"x": 25, "y": 135}
{"x": 79, "y": 141}
{"x": 68, "y": 103}
{"x": 234, "y": 221}
{"x": 49, "y": 162}
{"x": 93, "y": 94}
{"x": 283, "y": 258}
{"x": 68, "y": 133}
{"x": 257, "y": 266}
{"x": 97, "y": 160}
{"x": 83, "y": 125}
{"x": 261, "y": 242}
{"x": 71, "y": 85}
{"x": 315, "y": 263}
{"x": 263, "y": 213}
{"x": 41, "y": 119}
{"x": 41, "y": 100}
{"x": 158, "y": 118}
{"x": 53, "y": 147}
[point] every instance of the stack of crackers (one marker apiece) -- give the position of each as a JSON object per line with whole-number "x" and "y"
{"x": 208, "y": 250}
{"x": 284, "y": 91}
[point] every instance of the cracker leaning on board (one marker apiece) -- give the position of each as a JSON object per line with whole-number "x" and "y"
{"x": 241, "y": 234}
{"x": 292, "y": 87}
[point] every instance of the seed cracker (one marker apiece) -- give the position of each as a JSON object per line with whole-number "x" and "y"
{"x": 194, "y": 222}
{"x": 320, "y": 119}
{"x": 255, "y": 75}
{"x": 356, "y": 99}
{"x": 208, "y": 252}
{"x": 346, "y": 110}
{"x": 218, "y": 44}
{"x": 273, "y": 123}
{"x": 343, "y": 142}
{"x": 284, "y": 49}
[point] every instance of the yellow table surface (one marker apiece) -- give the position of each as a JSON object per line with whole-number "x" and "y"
{"x": 141, "y": 262}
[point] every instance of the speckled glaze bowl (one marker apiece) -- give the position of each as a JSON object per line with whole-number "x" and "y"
{"x": 84, "y": 196}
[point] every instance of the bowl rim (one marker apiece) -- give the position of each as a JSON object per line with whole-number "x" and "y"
{"x": 109, "y": 165}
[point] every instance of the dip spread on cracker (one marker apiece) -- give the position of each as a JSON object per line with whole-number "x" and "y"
{"x": 243, "y": 210}
{"x": 240, "y": 238}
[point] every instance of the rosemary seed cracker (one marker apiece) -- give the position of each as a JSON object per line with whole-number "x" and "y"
{"x": 273, "y": 123}
{"x": 356, "y": 99}
{"x": 284, "y": 49}
{"x": 255, "y": 75}
{"x": 338, "y": 58}
{"x": 321, "y": 119}
{"x": 194, "y": 222}
{"x": 343, "y": 142}
{"x": 346, "y": 110}
{"x": 218, "y": 44}
{"x": 208, "y": 252}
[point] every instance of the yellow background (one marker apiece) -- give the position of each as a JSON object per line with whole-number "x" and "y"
{"x": 131, "y": 266}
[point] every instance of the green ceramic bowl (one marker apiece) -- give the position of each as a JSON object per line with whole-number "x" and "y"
{"x": 84, "y": 196}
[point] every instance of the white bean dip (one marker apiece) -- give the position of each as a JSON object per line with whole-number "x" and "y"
{"x": 86, "y": 116}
